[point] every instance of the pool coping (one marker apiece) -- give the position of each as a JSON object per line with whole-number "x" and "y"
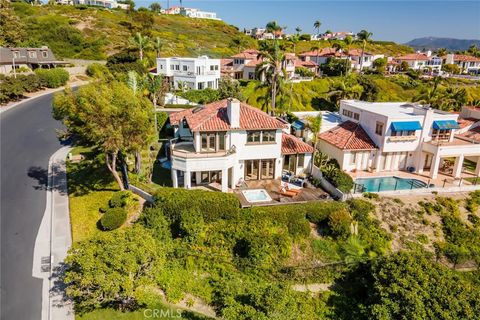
{"x": 426, "y": 187}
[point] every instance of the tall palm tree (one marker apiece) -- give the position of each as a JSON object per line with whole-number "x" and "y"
{"x": 153, "y": 85}
{"x": 298, "y": 30}
{"x": 344, "y": 88}
{"x": 158, "y": 45}
{"x": 274, "y": 27}
{"x": 140, "y": 42}
{"x": 442, "y": 52}
{"x": 317, "y": 25}
{"x": 363, "y": 36}
{"x": 272, "y": 69}
{"x": 316, "y": 48}
{"x": 347, "y": 41}
{"x": 239, "y": 42}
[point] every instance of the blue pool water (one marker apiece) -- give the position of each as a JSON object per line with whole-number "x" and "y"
{"x": 388, "y": 184}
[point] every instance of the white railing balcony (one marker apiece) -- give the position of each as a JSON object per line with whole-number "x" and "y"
{"x": 402, "y": 138}
{"x": 186, "y": 150}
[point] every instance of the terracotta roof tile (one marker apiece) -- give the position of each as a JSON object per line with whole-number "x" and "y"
{"x": 213, "y": 117}
{"x": 413, "y": 56}
{"x": 293, "y": 145}
{"x": 247, "y": 54}
{"x": 465, "y": 122}
{"x": 473, "y": 134}
{"x": 348, "y": 136}
{"x": 466, "y": 58}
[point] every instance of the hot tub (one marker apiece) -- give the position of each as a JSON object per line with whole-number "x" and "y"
{"x": 256, "y": 195}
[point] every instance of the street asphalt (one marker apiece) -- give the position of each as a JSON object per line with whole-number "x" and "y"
{"x": 27, "y": 140}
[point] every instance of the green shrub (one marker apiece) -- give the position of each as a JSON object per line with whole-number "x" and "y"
{"x": 52, "y": 78}
{"x": 304, "y": 72}
{"x": 473, "y": 201}
{"x": 213, "y": 205}
{"x": 371, "y": 195}
{"x": 162, "y": 118}
{"x": 98, "y": 71}
{"x": 30, "y": 82}
{"x": 11, "y": 89}
{"x": 342, "y": 181}
{"x": 318, "y": 212}
{"x": 113, "y": 218}
{"x": 119, "y": 199}
{"x": 475, "y": 220}
{"x": 201, "y": 96}
{"x": 360, "y": 208}
{"x": 339, "y": 223}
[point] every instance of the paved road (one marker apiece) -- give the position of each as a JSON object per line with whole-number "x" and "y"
{"x": 27, "y": 140}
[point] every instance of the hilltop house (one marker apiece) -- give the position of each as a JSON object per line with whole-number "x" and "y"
{"x": 194, "y": 73}
{"x": 227, "y": 142}
{"x": 321, "y": 56}
{"x": 466, "y": 63}
{"x": 421, "y": 61}
{"x": 32, "y": 58}
{"x": 199, "y": 14}
{"x": 392, "y": 136}
{"x": 110, "y": 4}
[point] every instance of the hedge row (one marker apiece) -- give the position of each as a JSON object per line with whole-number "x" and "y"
{"x": 212, "y": 205}
{"x": 12, "y": 88}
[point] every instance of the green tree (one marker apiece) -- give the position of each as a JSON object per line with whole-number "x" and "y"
{"x": 229, "y": 88}
{"x": 317, "y": 25}
{"x": 334, "y": 67}
{"x": 380, "y": 64}
{"x": 12, "y": 29}
{"x": 451, "y": 68}
{"x": 298, "y": 30}
{"x": 155, "y": 7}
{"x": 141, "y": 43}
{"x": 107, "y": 270}
{"x": 158, "y": 45}
{"x": 275, "y": 28}
{"x": 441, "y": 52}
{"x": 272, "y": 70}
{"x": 109, "y": 115}
{"x": 239, "y": 42}
{"x": 344, "y": 88}
{"x": 363, "y": 36}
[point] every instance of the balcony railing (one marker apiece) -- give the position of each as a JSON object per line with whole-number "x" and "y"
{"x": 186, "y": 150}
{"x": 402, "y": 138}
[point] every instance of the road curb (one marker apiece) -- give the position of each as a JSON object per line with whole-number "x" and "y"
{"x": 53, "y": 240}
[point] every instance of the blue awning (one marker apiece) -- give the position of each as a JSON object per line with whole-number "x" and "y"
{"x": 406, "y": 126}
{"x": 445, "y": 125}
{"x": 298, "y": 125}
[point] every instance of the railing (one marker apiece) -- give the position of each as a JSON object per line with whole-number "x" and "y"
{"x": 175, "y": 152}
{"x": 402, "y": 138}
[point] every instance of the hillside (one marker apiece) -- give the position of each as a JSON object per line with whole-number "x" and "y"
{"x": 95, "y": 33}
{"x": 450, "y": 44}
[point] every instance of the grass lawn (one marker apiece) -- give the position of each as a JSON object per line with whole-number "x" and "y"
{"x": 90, "y": 187}
{"x": 163, "y": 312}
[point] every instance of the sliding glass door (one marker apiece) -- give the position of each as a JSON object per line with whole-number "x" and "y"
{"x": 259, "y": 169}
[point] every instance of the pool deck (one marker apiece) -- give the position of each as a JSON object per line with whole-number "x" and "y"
{"x": 273, "y": 189}
{"x": 443, "y": 180}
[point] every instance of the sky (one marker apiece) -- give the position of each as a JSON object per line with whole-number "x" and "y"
{"x": 398, "y": 21}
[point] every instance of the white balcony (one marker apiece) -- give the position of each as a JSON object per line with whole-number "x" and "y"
{"x": 186, "y": 158}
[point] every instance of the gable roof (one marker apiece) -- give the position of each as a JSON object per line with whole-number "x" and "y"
{"x": 413, "y": 56}
{"x": 214, "y": 117}
{"x": 348, "y": 136}
{"x": 293, "y": 145}
{"x": 465, "y": 58}
{"x": 247, "y": 54}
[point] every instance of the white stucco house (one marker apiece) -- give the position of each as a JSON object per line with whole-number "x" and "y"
{"x": 421, "y": 61}
{"x": 466, "y": 63}
{"x": 392, "y": 136}
{"x": 193, "y": 73}
{"x": 199, "y": 14}
{"x": 227, "y": 142}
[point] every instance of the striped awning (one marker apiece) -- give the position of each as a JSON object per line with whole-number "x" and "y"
{"x": 406, "y": 126}
{"x": 445, "y": 125}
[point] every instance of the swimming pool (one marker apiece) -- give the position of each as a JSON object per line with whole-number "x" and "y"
{"x": 379, "y": 184}
{"x": 256, "y": 195}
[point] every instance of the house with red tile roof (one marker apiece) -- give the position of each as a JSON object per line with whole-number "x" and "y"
{"x": 421, "y": 61}
{"x": 395, "y": 136}
{"x": 228, "y": 141}
{"x": 466, "y": 63}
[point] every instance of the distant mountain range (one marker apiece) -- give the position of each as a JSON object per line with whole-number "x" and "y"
{"x": 451, "y": 44}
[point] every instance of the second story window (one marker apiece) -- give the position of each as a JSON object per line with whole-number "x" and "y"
{"x": 379, "y": 128}
{"x": 403, "y": 133}
{"x": 44, "y": 54}
{"x": 213, "y": 141}
{"x": 267, "y": 136}
{"x": 185, "y": 68}
{"x": 32, "y": 54}
{"x": 440, "y": 135}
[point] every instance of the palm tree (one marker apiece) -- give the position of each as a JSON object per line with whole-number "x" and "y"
{"x": 272, "y": 69}
{"x": 141, "y": 43}
{"x": 344, "y": 88}
{"x": 363, "y": 36}
{"x": 347, "y": 41}
{"x": 239, "y": 42}
{"x": 316, "y": 47}
{"x": 353, "y": 250}
{"x": 473, "y": 50}
{"x": 442, "y": 52}
{"x": 298, "y": 30}
{"x": 153, "y": 85}
{"x": 317, "y": 25}
{"x": 158, "y": 45}
{"x": 431, "y": 95}
{"x": 273, "y": 27}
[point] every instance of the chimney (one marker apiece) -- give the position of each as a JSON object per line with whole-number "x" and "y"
{"x": 233, "y": 112}
{"x": 429, "y": 53}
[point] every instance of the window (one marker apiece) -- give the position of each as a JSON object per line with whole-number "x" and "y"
{"x": 212, "y": 67}
{"x": 177, "y": 67}
{"x": 351, "y": 114}
{"x": 440, "y": 135}
{"x": 353, "y": 156}
{"x": 201, "y": 85}
{"x": 16, "y": 54}
{"x": 172, "y": 67}
{"x": 212, "y": 142}
{"x": 216, "y": 67}
{"x": 253, "y": 136}
{"x": 251, "y": 75}
{"x": 403, "y": 133}
{"x": 185, "y": 123}
{"x": 268, "y": 136}
{"x": 221, "y": 140}
{"x": 301, "y": 160}
{"x": 32, "y": 54}
{"x": 185, "y": 68}
{"x": 261, "y": 136}
{"x": 356, "y": 116}
{"x": 379, "y": 128}
{"x": 44, "y": 54}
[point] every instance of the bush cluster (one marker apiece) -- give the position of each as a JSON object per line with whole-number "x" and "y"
{"x": 113, "y": 218}
{"x": 52, "y": 78}
{"x": 212, "y": 205}
{"x": 99, "y": 71}
{"x": 120, "y": 199}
